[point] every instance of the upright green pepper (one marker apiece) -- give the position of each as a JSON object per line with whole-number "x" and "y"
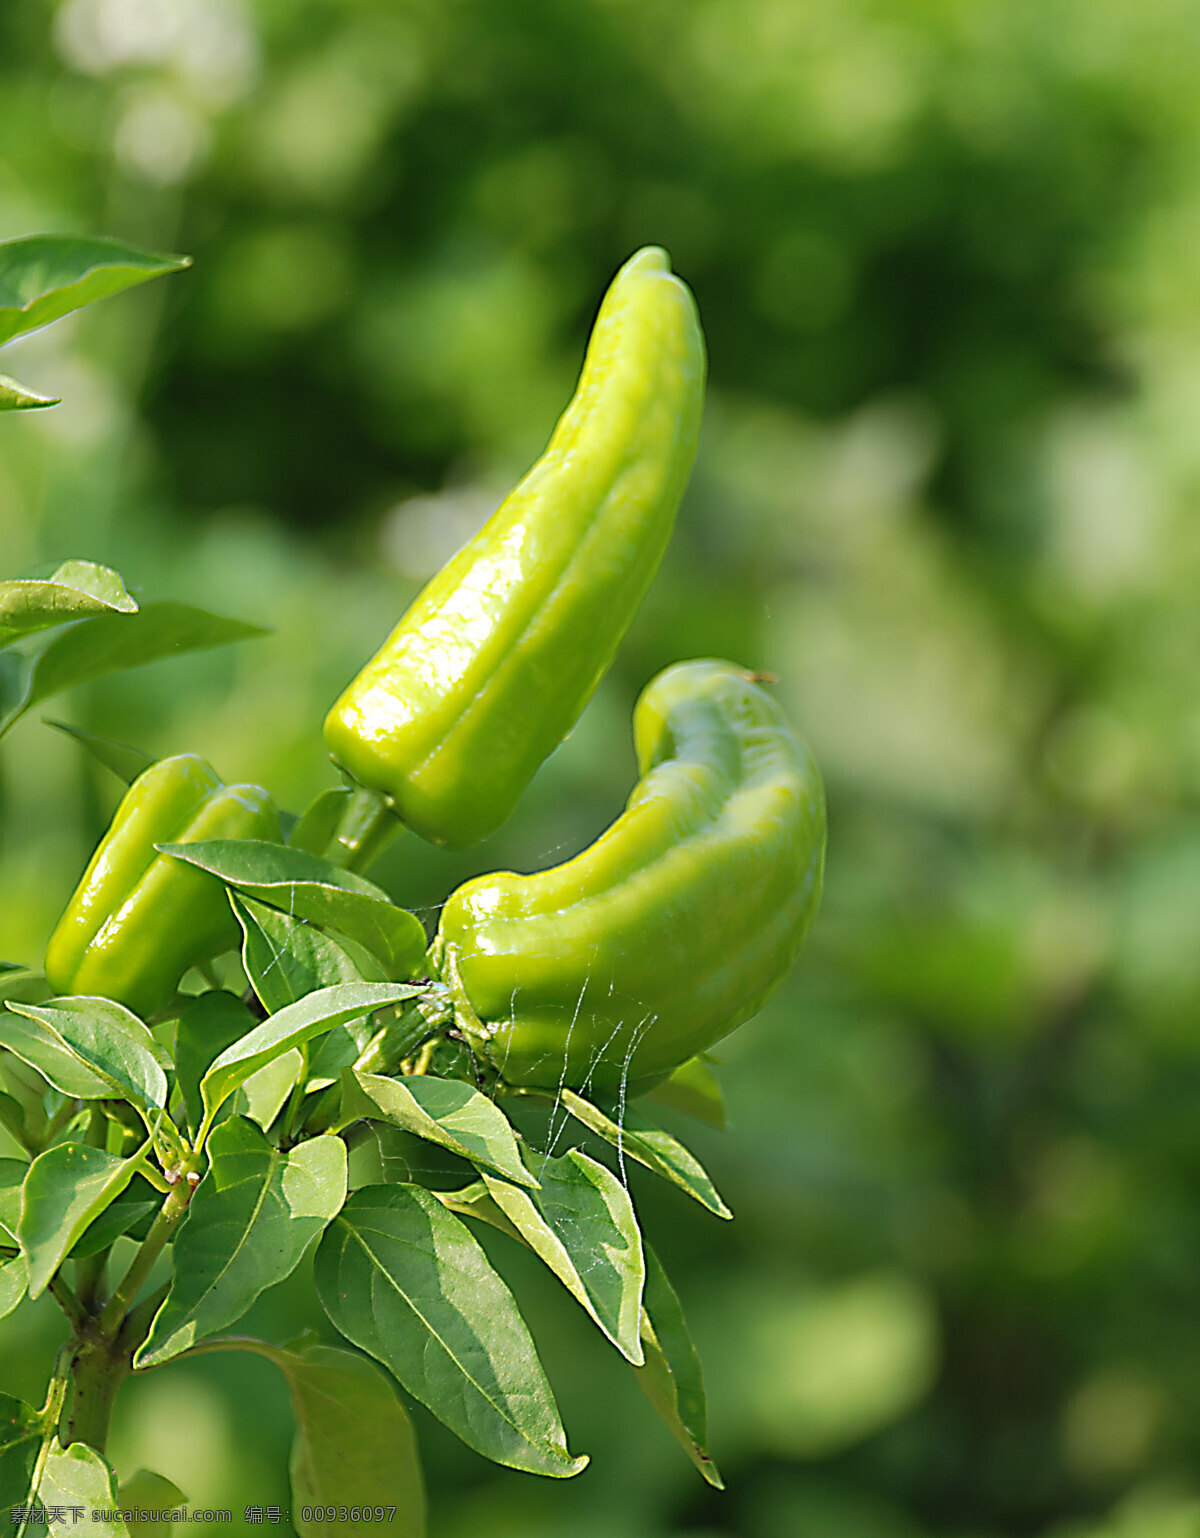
{"x": 139, "y": 919}
{"x": 491, "y": 666}
{"x": 676, "y": 925}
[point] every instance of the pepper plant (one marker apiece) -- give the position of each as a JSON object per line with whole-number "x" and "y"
{"x": 238, "y": 1044}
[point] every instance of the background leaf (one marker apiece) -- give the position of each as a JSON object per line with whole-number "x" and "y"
{"x": 145, "y": 1491}
{"x": 43, "y": 277}
{"x": 401, "y": 1277}
{"x": 671, "y": 1378}
{"x": 125, "y": 762}
{"x": 249, "y": 1223}
{"x": 42, "y": 1048}
{"x": 207, "y": 1026}
{"x": 695, "y": 1090}
{"x": 75, "y": 589}
{"x": 109, "y": 643}
{"x": 285, "y": 958}
{"x": 20, "y": 1438}
{"x": 79, "y": 1476}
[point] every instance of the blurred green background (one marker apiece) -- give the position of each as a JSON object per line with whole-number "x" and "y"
{"x": 946, "y": 256}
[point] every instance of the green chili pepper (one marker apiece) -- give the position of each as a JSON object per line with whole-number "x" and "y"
{"x": 490, "y": 668}
{"x": 676, "y": 925}
{"x": 139, "y": 919}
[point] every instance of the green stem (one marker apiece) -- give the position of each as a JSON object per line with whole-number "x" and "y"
{"x": 66, "y": 1299}
{"x": 367, "y": 824}
{"x": 89, "y": 1272}
{"x": 164, "y": 1225}
{"x": 98, "y": 1369}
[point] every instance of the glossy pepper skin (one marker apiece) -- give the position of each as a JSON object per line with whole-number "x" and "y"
{"x": 495, "y": 660}
{"x": 676, "y": 925}
{"x": 139, "y": 919}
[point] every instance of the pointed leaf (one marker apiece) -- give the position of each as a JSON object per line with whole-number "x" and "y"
{"x": 476, "y": 1201}
{"x": 15, "y": 396}
{"x": 21, "y": 1432}
{"x": 125, "y": 762}
{"x": 66, "y": 1188}
{"x": 43, "y": 277}
{"x": 207, "y": 1026}
{"x": 77, "y": 588}
{"x": 42, "y": 1048}
{"x": 671, "y": 1379}
{"x": 264, "y": 1093}
{"x": 108, "y": 643}
{"x": 253, "y": 1216}
{"x": 79, "y": 1476}
{"x": 402, "y": 1278}
{"x": 354, "y": 1442}
{"x": 148, "y": 1492}
{"x": 444, "y": 1111}
{"x": 310, "y": 888}
{"x": 291, "y": 1027}
{"x": 695, "y": 1090}
{"x": 582, "y": 1224}
{"x": 650, "y": 1146}
{"x": 285, "y": 958}
{"x": 107, "y": 1041}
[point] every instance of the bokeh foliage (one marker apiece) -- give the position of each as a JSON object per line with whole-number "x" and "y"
{"x": 945, "y": 256}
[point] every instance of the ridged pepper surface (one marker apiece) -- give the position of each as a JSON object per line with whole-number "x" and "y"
{"x": 139, "y": 919}
{"x": 676, "y": 925}
{"x": 495, "y": 660}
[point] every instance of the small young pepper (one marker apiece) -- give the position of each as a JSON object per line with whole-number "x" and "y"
{"x": 676, "y": 925}
{"x": 139, "y": 919}
{"x": 493, "y": 663}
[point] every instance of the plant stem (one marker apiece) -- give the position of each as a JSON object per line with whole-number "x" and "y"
{"x": 66, "y": 1299}
{"x": 367, "y": 824}
{"x": 163, "y": 1227}
{"x": 97, "y": 1370}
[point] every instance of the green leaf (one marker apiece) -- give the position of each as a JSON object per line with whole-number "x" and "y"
{"x": 106, "y": 1040}
{"x": 76, "y": 589}
{"x": 650, "y": 1146}
{"x": 354, "y": 1442}
{"x": 291, "y": 1027}
{"x": 79, "y": 1476}
{"x": 15, "y": 396}
{"x": 206, "y": 1027}
{"x": 42, "y": 1048}
{"x": 475, "y": 1201}
{"x": 262, "y": 1096}
{"x": 43, "y": 277}
{"x": 285, "y": 958}
{"x": 671, "y": 1379}
{"x": 695, "y": 1090}
{"x": 403, "y": 1279}
{"x": 21, "y": 1432}
{"x": 253, "y": 1215}
{"x": 12, "y": 1178}
{"x": 12, "y": 1117}
{"x": 145, "y": 1491}
{"x": 320, "y": 820}
{"x": 444, "y": 1111}
{"x": 108, "y": 643}
{"x": 13, "y": 1281}
{"x": 66, "y": 1188}
{"x": 306, "y": 887}
{"x": 125, "y": 762}
{"x": 582, "y": 1224}
{"x": 137, "y": 1204}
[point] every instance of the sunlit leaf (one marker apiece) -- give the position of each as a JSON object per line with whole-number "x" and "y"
{"x": 66, "y": 1188}
{"x": 43, "y": 277}
{"x": 253, "y": 1215}
{"x": 403, "y": 1279}
{"x": 15, "y": 396}
{"x": 105, "y": 1040}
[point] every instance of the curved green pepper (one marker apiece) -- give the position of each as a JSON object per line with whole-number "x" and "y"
{"x": 492, "y": 665}
{"x": 139, "y": 919}
{"x": 676, "y": 925}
